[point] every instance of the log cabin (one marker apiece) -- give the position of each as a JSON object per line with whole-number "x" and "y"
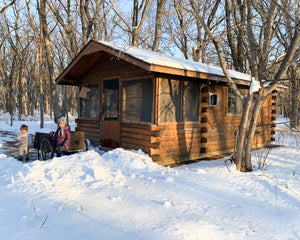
{"x": 175, "y": 110}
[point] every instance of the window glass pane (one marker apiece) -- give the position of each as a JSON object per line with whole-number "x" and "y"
{"x": 89, "y": 106}
{"x": 190, "y": 105}
{"x": 235, "y": 104}
{"x": 137, "y": 100}
{"x": 111, "y": 99}
{"x": 213, "y": 100}
{"x": 170, "y": 100}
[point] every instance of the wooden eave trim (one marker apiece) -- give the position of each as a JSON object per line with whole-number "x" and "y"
{"x": 194, "y": 74}
{"x": 177, "y": 71}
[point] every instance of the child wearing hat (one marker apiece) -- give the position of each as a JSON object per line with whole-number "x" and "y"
{"x": 23, "y": 144}
{"x": 63, "y": 136}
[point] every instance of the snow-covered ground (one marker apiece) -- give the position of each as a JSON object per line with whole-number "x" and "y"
{"x": 124, "y": 195}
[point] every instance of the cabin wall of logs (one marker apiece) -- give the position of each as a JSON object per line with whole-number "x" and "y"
{"x": 213, "y": 133}
{"x": 219, "y": 128}
{"x": 91, "y": 128}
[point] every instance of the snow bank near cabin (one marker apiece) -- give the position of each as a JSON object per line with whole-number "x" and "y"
{"x": 68, "y": 177}
{"x": 130, "y": 162}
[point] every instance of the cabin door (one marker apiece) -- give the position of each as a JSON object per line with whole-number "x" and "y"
{"x": 110, "y": 117}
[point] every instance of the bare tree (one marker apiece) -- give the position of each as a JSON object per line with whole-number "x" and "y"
{"x": 179, "y": 25}
{"x": 45, "y": 38}
{"x": 89, "y": 18}
{"x": 132, "y": 25}
{"x": 63, "y": 13}
{"x": 158, "y": 24}
{"x": 137, "y": 20}
{"x": 284, "y": 35}
{"x": 9, "y": 84}
{"x": 259, "y": 44}
{"x": 235, "y": 32}
{"x": 19, "y": 41}
{"x": 38, "y": 71}
{"x": 208, "y": 10}
{"x": 185, "y": 30}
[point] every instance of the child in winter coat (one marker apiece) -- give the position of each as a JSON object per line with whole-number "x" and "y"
{"x": 63, "y": 136}
{"x": 23, "y": 144}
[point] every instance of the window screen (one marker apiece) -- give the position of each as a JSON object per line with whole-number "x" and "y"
{"x": 235, "y": 104}
{"x": 111, "y": 99}
{"x": 170, "y": 100}
{"x": 137, "y": 96}
{"x": 190, "y": 107}
{"x": 89, "y": 106}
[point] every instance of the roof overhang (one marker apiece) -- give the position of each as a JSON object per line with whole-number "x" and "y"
{"x": 87, "y": 57}
{"x": 93, "y": 51}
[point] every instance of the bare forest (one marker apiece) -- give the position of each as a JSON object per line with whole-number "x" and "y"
{"x": 38, "y": 38}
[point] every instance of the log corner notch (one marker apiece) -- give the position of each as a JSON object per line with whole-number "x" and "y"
{"x": 204, "y": 119}
{"x": 273, "y": 115}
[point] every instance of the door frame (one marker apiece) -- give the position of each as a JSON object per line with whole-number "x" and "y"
{"x": 110, "y": 134}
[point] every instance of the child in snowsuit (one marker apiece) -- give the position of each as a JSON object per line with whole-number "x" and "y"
{"x": 23, "y": 144}
{"x": 63, "y": 136}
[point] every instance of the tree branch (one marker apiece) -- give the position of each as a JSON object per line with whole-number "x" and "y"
{"x": 231, "y": 82}
{"x": 7, "y": 6}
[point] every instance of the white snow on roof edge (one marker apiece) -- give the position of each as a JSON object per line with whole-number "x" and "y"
{"x": 159, "y": 59}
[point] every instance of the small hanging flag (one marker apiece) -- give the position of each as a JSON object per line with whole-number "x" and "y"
{"x": 84, "y": 92}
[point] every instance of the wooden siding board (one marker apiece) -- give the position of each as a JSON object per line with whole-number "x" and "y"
{"x": 149, "y": 139}
{"x": 136, "y": 147}
{"x": 140, "y": 142}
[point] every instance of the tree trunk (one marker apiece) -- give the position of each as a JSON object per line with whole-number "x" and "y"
{"x": 11, "y": 120}
{"x": 20, "y": 88}
{"x": 294, "y": 106}
{"x": 48, "y": 53}
{"x": 158, "y": 22}
{"x": 247, "y": 131}
{"x": 47, "y": 110}
{"x": 294, "y": 114}
{"x": 41, "y": 112}
{"x": 136, "y": 23}
{"x": 235, "y": 37}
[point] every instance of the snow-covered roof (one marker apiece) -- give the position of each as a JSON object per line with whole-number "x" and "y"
{"x": 148, "y": 60}
{"x": 155, "y": 58}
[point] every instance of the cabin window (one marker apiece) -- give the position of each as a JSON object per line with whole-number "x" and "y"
{"x": 111, "y": 100}
{"x": 235, "y": 104}
{"x": 213, "y": 100}
{"x": 190, "y": 104}
{"x": 170, "y": 101}
{"x": 137, "y": 97}
{"x": 179, "y": 100}
{"x": 89, "y": 102}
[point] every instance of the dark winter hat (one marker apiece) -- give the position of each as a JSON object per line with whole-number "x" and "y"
{"x": 24, "y": 127}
